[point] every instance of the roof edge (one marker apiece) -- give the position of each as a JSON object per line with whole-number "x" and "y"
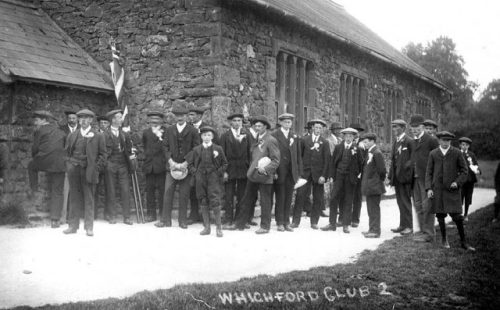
{"x": 67, "y": 85}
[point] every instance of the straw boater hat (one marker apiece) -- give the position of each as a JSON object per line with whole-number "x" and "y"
{"x": 399, "y": 122}
{"x": 349, "y": 130}
{"x": 286, "y": 116}
{"x": 316, "y": 121}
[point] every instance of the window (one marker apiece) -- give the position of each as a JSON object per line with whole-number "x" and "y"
{"x": 292, "y": 87}
{"x": 353, "y": 99}
{"x": 423, "y": 106}
{"x": 393, "y": 109}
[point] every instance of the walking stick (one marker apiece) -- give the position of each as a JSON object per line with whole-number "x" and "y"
{"x": 135, "y": 197}
{"x": 139, "y": 198}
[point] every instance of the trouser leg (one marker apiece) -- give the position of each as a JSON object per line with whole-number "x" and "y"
{"x": 265, "y": 191}
{"x": 184, "y": 194}
{"x": 56, "y": 187}
{"x": 356, "y": 203}
{"x": 348, "y": 196}
{"x": 336, "y": 198}
{"x": 110, "y": 176}
{"x": 229, "y": 202}
{"x": 194, "y": 213}
{"x": 403, "y": 198}
{"x": 150, "y": 195}
{"x": 373, "y": 208}
{"x": 318, "y": 197}
{"x": 246, "y": 204}
{"x": 88, "y": 195}
{"x": 467, "y": 191}
{"x": 124, "y": 181}
{"x": 168, "y": 199}
{"x": 76, "y": 196}
{"x": 459, "y": 222}
{"x": 240, "y": 191}
{"x": 442, "y": 225}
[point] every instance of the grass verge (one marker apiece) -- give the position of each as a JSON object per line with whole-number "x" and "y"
{"x": 400, "y": 274}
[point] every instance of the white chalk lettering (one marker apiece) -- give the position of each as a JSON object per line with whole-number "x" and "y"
{"x": 383, "y": 289}
{"x": 338, "y": 294}
{"x": 364, "y": 291}
{"x": 351, "y": 294}
{"x": 226, "y": 298}
{"x": 250, "y": 297}
{"x": 268, "y": 297}
{"x": 257, "y": 297}
{"x": 290, "y": 297}
{"x": 301, "y": 296}
{"x": 313, "y": 295}
{"x": 328, "y": 295}
{"x": 240, "y": 298}
{"x": 279, "y": 296}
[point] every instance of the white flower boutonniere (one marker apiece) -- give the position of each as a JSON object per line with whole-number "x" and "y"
{"x": 89, "y": 135}
{"x": 315, "y": 146}
{"x": 399, "y": 149}
{"x": 291, "y": 141}
{"x": 216, "y": 154}
{"x": 370, "y": 158}
{"x": 354, "y": 151}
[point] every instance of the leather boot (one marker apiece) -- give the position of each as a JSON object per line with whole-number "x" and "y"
{"x": 218, "y": 222}
{"x": 206, "y": 220}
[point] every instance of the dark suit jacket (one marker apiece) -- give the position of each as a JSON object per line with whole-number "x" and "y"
{"x": 154, "y": 152}
{"x": 421, "y": 154}
{"x": 178, "y": 145}
{"x": 219, "y": 161}
{"x": 65, "y": 128}
{"x": 237, "y": 154}
{"x": 315, "y": 160}
{"x": 96, "y": 153}
{"x": 48, "y": 149}
{"x": 374, "y": 173}
{"x": 470, "y": 159}
{"x": 126, "y": 143}
{"x": 355, "y": 162}
{"x": 265, "y": 147}
{"x": 401, "y": 168}
{"x": 290, "y": 152}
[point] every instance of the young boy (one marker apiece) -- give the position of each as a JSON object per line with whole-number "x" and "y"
{"x": 207, "y": 163}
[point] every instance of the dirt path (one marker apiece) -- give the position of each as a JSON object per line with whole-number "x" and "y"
{"x": 43, "y": 266}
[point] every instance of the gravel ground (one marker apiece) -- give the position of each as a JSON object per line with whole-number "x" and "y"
{"x": 43, "y": 266}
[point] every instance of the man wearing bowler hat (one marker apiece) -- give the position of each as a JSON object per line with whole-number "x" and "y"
{"x": 155, "y": 164}
{"x": 473, "y": 170}
{"x": 345, "y": 170}
{"x": 424, "y": 144}
{"x": 265, "y": 159}
{"x": 86, "y": 151}
{"x": 48, "y": 155}
{"x": 401, "y": 175}
{"x": 289, "y": 170}
{"x": 236, "y": 146}
{"x": 446, "y": 172}
{"x": 181, "y": 138}
{"x": 430, "y": 127}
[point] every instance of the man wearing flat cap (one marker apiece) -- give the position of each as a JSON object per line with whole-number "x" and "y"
{"x": 289, "y": 170}
{"x": 446, "y": 172}
{"x": 315, "y": 153}
{"x": 71, "y": 122}
{"x": 345, "y": 170}
{"x": 236, "y": 146}
{"x": 181, "y": 138}
{"x": 155, "y": 164}
{"x": 430, "y": 127}
{"x": 424, "y": 144}
{"x": 86, "y": 153}
{"x": 473, "y": 170}
{"x": 264, "y": 161}
{"x": 401, "y": 175}
{"x": 48, "y": 155}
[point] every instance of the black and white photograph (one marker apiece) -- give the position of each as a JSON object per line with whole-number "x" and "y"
{"x": 249, "y": 154}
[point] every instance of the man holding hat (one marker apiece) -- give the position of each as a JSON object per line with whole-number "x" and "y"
{"x": 265, "y": 159}
{"x": 181, "y": 138}
{"x": 236, "y": 147}
{"x": 401, "y": 175}
{"x": 424, "y": 144}
{"x": 155, "y": 164}
{"x": 430, "y": 127}
{"x": 345, "y": 170}
{"x": 446, "y": 172}
{"x": 473, "y": 169}
{"x": 48, "y": 154}
{"x": 315, "y": 153}
{"x": 86, "y": 151}
{"x": 119, "y": 152}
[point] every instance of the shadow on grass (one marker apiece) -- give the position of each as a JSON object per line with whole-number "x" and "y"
{"x": 400, "y": 274}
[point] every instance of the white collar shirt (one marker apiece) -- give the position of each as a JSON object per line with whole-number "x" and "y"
{"x": 180, "y": 128}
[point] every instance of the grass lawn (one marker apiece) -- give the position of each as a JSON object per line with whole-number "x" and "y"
{"x": 488, "y": 169}
{"x": 400, "y": 274}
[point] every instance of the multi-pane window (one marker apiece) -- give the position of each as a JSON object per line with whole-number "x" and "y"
{"x": 293, "y": 75}
{"x": 423, "y": 106}
{"x": 353, "y": 98}
{"x": 393, "y": 109}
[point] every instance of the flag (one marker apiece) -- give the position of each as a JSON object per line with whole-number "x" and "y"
{"x": 118, "y": 77}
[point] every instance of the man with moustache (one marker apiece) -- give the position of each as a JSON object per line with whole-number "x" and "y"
{"x": 71, "y": 122}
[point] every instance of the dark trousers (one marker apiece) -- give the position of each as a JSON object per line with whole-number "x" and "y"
{"x": 208, "y": 189}
{"x": 168, "y": 200}
{"x": 55, "y": 189}
{"x": 194, "y": 213}
{"x": 100, "y": 190}
{"x": 284, "y": 195}
{"x": 373, "y": 208}
{"x": 234, "y": 187}
{"x": 317, "y": 203}
{"x": 403, "y": 198}
{"x": 423, "y": 208}
{"x": 302, "y": 200}
{"x": 117, "y": 172}
{"x": 343, "y": 191}
{"x": 81, "y": 195}
{"x": 467, "y": 191}
{"x": 155, "y": 182}
{"x": 356, "y": 203}
{"x": 248, "y": 203}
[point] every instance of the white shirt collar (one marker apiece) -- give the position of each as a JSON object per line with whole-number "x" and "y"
{"x": 253, "y": 132}
{"x": 86, "y": 131}
{"x": 262, "y": 135}
{"x": 285, "y": 132}
{"x": 197, "y": 124}
{"x": 236, "y": 132}
{"x": 72, "y": 129}
{"x": 443, "y": 150}
{"x": 372, "y": 147}
{"x": 400, "y": 137}
{"x": 348, "y": 145}
{"x": 314, "y": 137}
{"x": 207, "y": 145}
{"x": 420, "y": 135}
{"x": 180, "y": 128}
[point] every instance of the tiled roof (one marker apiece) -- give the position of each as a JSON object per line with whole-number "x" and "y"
{"x": 34, "y": 48}
{"x": 333, "y": 20}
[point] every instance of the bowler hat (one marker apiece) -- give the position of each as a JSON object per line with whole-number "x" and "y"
{"x": 69, "y": 112}
{"x": 445, "y": 135}
{"x": 207, "y": 128}
{"x": 429, "y": 122}
{"x": 286, "y": 116}
{"x": 316, "y": 121}
{"x": 43, "y": 114}
{"x": 197, "y": 110}
{"x": 230, "y": 117}
{"x": 261, "y": 119}
{"x": 357, "y": 126}
{"x": 466, "y": 140}
{"x": 85, "y": 112}
{"x": 349, "y": 130}
{"x": 102, "y": 118}
{"x": 179, "y": 110}
{"x": 336, "y": 125}
{"x": 416, "y": 120}
{"x": 369, "y": 136}
{"x": 155, "y": 113}
{"x": 399, "y": 122}
{"x": 112, "y": 113}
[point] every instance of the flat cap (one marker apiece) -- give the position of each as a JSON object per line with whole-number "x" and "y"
{"x": 207, "y": 128}
{"x": 102, "y": 118}
{"x": 445, "y": 135}
{"x": 465, "y": 139}
{"x": 43, "y": 114}
{"x": 180, "y": 110}
{"x": 286, "y": 116}
{"x": 357, "y": 126}
{"x": 429, "y": 122}
{"x": 226, "y": 126}
{"x": 369, "y": 136}
{"x": 112, "y": 113}
{"x": 69, "y": 112}
{"x": 85, "y": 112}
{"x": 155, "y": 113}
{"x": 336, "y": 125}
{"x": 197, "y": 110}
{"x": 230, "y": 117}
{"x": 349, "y": 130}
{"x": 317, "y": 121}
{"x": 416, "y": 120}
{"x": 399, "y": 122}
{"x": 261, "y": 119}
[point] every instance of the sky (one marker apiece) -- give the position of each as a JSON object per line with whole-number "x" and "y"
{"x": 474, "y": 26}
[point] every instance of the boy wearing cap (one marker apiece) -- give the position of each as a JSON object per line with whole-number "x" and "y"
{"x": 181, "y": 138}
{"x": 48, "y": 155}
{"x": 345, "y": 169}
{"x": 119, "y": 152}
{"x": 473, "y": 169}
{"x": 315, "y": 153}
{"x": 372, "y": 183}
{"x": 446, "y": 172}
{"x": 155, "y": 164}
{"x": 86, "y": 151}
{"x": 207, "y": 163}
{"x": 236, "y": 146}
{"x": 424, "y": 144}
